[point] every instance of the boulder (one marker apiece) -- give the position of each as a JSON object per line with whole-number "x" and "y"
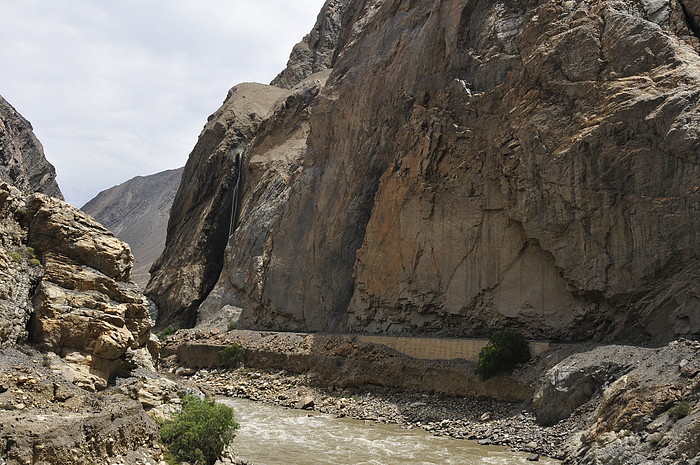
{"x": 580, "y": 378}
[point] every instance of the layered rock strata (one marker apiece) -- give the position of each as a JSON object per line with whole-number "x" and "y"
{"x": 22, "y": 160}
{"x": 137, "y": 212}
{"x": 85, "y": 307}
{"x": 65, "y": 285}
{"x": 44, "y": 419}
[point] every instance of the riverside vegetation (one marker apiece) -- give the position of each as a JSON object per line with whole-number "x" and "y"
{"x": 199, "y": 432}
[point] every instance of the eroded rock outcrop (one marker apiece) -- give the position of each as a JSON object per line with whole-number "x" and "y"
{"x": 85, "y": 307}
{"x": 22, "y": 160}
{"x": 47, "y": 420}
{"x": 65, "y": 285}
{"x": 643, "y": 411}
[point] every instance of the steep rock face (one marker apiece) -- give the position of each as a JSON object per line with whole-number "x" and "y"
{"x": 479, "y": 164}
{"x": 318, "y": 49}
{"x": 198, "y": 228}
{"x": 22, "y": 161}
{"x": 137, "y": 212}
{"x": 272, "y": 160}
{"x": 473, "y": 165}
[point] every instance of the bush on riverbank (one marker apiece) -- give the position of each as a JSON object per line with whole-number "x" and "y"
{"x": 231, "y": 356}
{"x": 504, "y": 351}
{"x": 199, "y": 433}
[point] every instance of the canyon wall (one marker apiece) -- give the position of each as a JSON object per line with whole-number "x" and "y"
{"x": 200, "y": 218}
{"x": 472, "y": 165}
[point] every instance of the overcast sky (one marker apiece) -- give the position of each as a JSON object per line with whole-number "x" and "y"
{"x": 117, "y": 89}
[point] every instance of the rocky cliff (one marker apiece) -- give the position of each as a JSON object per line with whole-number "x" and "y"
{"x": 200, "y": 219}
{"x": 467, "y": 165}
{"x": 137, "y": 212}
{"x": 22, "y": 161}
{"x": 65, "y": 286}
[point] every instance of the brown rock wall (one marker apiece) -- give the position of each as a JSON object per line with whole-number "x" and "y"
{"x": 468, "y": 165}
{"x": 474, "y": 165}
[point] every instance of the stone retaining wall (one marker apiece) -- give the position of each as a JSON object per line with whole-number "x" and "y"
{"x": 440, "y": 349}
{"x": 421, "y": 364}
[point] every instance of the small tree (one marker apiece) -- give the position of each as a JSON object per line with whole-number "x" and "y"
{"x": 200, "y": 431}
{"x": 504, "y": 351}
{"x": 166, "y": 333}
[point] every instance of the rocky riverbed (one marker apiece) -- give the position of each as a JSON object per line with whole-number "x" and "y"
{"x": 592, "y": 404}
{"x": 489, "y": 422}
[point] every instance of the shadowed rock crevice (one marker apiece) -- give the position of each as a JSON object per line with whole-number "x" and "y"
{"x": 691, "y": 10}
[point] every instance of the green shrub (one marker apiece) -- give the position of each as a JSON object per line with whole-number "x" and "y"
{"x": 31, "y": 252}
{"x": 233, "y": 324}
{"x": 15, "y": 256}
{"x": 504, "y": 351}
{"x": 680, "y": 410}
{"x": 166, "y": 333}
{"x": 231, "y": 356}
{"x": 199, "y": 432}
{"x": 34, "y": 262}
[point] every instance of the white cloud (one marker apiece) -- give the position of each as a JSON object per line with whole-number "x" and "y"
{"x": 120, "y": 89}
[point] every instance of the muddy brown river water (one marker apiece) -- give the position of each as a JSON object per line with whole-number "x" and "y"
{"x": 272, "y": 435}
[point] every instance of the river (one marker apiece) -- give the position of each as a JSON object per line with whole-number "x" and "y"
{"x": 272, "y": 435}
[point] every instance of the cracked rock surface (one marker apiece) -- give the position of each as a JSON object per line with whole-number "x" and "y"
{"x": 475, "y": 165}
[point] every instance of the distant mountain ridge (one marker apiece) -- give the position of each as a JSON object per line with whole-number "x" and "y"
{"x": 137, "y": 212}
